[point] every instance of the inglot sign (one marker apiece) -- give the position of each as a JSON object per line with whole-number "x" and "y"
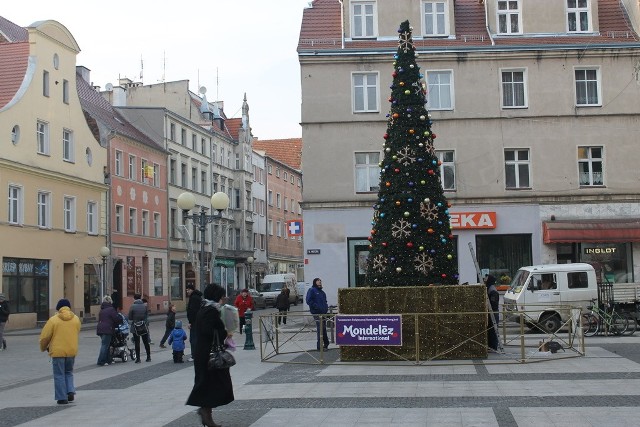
{"x": 374, "y": 329}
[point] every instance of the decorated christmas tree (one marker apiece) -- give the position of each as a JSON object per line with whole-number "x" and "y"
{"x": 411, "y": 243}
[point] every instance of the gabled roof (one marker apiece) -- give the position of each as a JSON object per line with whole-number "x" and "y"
{"x": 11, "y": 33}
{"x": 287, "y": 151}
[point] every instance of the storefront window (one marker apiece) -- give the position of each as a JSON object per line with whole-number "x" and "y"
{"x": 176, "y": 281}
{"x": 26, "y": 285}
{"x": 358, "y": 252}
{"x": 504, "y": 254}
{"x": 611, "y": 261}
{"x": 91, "y": 287}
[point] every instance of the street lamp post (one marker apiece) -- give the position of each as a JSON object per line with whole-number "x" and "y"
{"x": 250, "y": 262}
{"x": 104, "y": 253}
{"x": 186, "y": 202}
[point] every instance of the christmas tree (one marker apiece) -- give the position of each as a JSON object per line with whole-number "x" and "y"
{"x": 411, "y": 242}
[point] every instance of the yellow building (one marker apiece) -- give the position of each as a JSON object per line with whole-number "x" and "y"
{"x": 52, "y": 190}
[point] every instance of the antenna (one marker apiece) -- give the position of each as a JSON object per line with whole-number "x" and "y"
{"x": 164, "y": 64}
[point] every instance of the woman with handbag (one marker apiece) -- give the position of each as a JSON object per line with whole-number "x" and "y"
{"x": 212, "y": 387}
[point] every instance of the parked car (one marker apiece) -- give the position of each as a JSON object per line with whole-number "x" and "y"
{"x": 258, "y": 299}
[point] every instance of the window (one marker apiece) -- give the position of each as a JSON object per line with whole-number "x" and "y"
{"x": 236, "y": 198}
{"x": 577, "y": 279}
{"x": 367, "y": 172}
{"x": 194, "y": 179}
{"x": 118, "y": 162}
{"x": 440, "y": 90}
{"x": 133, "y": 221}
{"x": 590, "y": 166}
{"x": 145, "y": 223}
{"x": 42, "y": 137}
{"x": 183, "y": 136}
{"x": 292, "y": 179}
{"x": 286, "y": 204}
{"x": 44, "y": 209}
{"x": 363, "y": 19}
{"x": 516, "y": 168}
{"x": 183, "y": 177}
{"x": 143, "y": 170}
{"x": 157, "y": 231}
{"x": 578, "y": 16}
{"x": 132, "y": 168}
{"x": 269, "y": 171}
{"x": 203, "y": 146}
{"x": 278, "y": 203}
{"x": 67, "y": 146}
{"x": 229, "y": 159}
{"x": 587, "y": 86}
{"x": 514, "y": 90}
{"x": 436, "y": 22}
{"x": 278, "y": 228}
{"x": 65, "y": 91}
{"x": 270, "y": 197}
{"x": 15, "y": 205}
{"x": 156, "y": 175}
{"x": 262, "y": 242}
{"x": 447, "y": 169}
{"x": 92, "y": 218}
{"x": 365, "y": 92}
{"x": 119, "y": 219}
{"x": 261, "y": 204}
{"x": 222, "y": 156}
{"x": 172, "y": 172}
{"x": 194, "y": 142}
{"x": 45, "y": 83}
{"x": 203, "y": 181}
{"x": 238, "y": 161}
{"x": 509, "y": 17}
{"x": 173, "y": 214}
{"x": 277, "y": 172}
{"x": 270, "y": 227}
{"x": 214, "y": 151}
{"x": 69, "y": 214}
{"x": 172, "y": 131}
{"x": 285, "y": 176}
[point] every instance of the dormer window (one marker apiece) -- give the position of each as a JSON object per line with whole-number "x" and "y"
{"x": 509, "y": 17}
{"x": 578, "y": 16}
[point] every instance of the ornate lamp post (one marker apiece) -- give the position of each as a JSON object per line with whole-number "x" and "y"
{"x": 186, "y": 202}
{"x": 250, "y": 261}
{"x": 104, "y": 253}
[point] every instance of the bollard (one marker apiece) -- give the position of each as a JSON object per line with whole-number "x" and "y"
{"x": 248, "y": 331}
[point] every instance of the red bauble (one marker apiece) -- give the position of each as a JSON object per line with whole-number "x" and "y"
{"x": 431, "y": 172}
{"x": 409, "y": 244}
{"x": 444, "y": 275}
{"x": 396, "y": 170}
{"x": 394, "y": 74}
{"x": 384, "y": 244}
{"x": 433, "y": 135}
{"x": 385, "y": 136}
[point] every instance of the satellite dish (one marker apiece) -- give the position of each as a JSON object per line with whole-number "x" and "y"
{"x": 108, "y": 87}
{"x": 202, "y": 90}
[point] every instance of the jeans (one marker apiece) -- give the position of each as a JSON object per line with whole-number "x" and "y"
{"x": 63, "y": 376}
{"x": 325, "y": 337}
{"x": 145, "y": 341}
{"x": 105, "y": 354}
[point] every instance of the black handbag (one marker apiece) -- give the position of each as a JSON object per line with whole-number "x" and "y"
{"x": 219, "y": 358}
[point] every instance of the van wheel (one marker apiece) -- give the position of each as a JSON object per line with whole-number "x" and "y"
{"x": 550, "y": 323}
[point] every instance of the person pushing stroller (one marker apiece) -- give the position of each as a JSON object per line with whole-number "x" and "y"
{"x": 176, "y": 340}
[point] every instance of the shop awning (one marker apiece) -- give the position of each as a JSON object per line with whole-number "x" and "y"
{"x": 592, "y": 231}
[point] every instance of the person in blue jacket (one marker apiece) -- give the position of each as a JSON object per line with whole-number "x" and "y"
{"x": 317, "y": 301}
{"x": 176, "y": 340}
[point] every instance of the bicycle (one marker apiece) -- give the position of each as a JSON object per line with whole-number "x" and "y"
{"x": 604, "y": 320}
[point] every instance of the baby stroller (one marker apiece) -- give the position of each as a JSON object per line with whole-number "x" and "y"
{"x": 118, "y": 347}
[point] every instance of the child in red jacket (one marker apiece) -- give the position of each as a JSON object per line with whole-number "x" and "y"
{"x": 244, "y": 302}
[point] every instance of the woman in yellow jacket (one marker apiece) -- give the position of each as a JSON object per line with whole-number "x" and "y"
{"x": 60, "y": 337}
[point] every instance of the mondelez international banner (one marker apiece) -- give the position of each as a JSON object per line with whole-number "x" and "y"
{"x": 375, "y": 329}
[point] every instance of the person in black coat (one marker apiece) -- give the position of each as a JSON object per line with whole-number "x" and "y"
{"x": 494, "y": 301}
{"x": 212, "y": 388}
{"x": 193, "y": 306}
{"x": 282, "y": 304}
{"x": 169, "y": 324}
{"x": 108, "y": 320}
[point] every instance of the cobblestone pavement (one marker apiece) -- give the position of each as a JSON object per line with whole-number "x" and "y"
{"x": 599, "y": 390}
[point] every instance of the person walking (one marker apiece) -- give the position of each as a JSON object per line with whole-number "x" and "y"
{"x": 243, "y": 302}
{"x": 494, "y": 318}
{"x": 60, "y": 338}
{"x": 317, "y": 302}
{"x": 4, "y": 317}
{"x": 282, "y": 304}
{"x": 193, "y": 306}
{"x": 108, "y": 320}
{"x": 212, "y": 387}
{"x": 137, "y": 316}
{"x": 169, "y": 324}
{"x": 176, "y": 341}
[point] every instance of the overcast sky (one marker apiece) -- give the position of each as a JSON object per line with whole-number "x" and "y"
{"x": 230, "y": 47}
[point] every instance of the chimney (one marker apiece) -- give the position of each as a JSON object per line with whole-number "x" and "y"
{"x": 84, "y": 72}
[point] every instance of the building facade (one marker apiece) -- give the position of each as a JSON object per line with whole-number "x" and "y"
{"x": 535, "y": 108}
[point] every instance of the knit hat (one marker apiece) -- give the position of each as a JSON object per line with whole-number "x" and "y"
{"x": 178, "y": 324}
{"x": 63, "y": 303}
{"x": 2, "y": 297}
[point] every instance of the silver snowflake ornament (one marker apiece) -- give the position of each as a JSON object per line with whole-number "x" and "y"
{"x": 401, "y": 228}
{"x": 405, "y": 41}
{"x": 423, "y": 263}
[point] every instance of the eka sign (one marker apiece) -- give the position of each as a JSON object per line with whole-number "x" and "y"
{"x": 469, "y": 220}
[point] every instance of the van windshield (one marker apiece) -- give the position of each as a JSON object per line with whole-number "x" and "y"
{"x": 518, "y": 281}
{"x": 270, "y": 287}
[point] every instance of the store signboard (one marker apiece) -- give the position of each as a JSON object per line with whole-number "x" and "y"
{"x": 473, "y": 220}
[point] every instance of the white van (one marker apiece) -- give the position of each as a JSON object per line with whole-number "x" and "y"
{"x": 545, "y": 291}
{"x": 272, "y": 284}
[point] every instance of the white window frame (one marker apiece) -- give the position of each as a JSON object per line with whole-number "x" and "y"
{"x": 133, "y": 220}
{"x": 364, "y": 19}
{"x": 118, "y": 163}
{"x": 15, "y": 208}
{"x": 509, "y": 15}
{"x": 119, "y": 218}
{"x": 362, "y": 89}
{"x": 42, "y": 137}
{"x": 370, "y": 169}
{"x": 447, "y": 164}
{"x": 92, "y": 218}
{"x": 574, "y": 9}
{"x": 589, "y": 160}
{"x": 69, "y": 214}
{"x": 517, "y": 164}
{"x": 436, "y": 86}
{"x": 145, "y": 222}
{"x": 270, "y": 227}
{"x": 270, "y": 197}
{"x": 278, "y": 228}
{"x": 68, "y": 146}
{"x": 584, "y": 82}
{"x": 515, "y": 87}
{"x": 278, "y": 201}
{"x": 157, "y": 227}
{"x": 44, "y": 209}
{"x": 438, "y": 29}
{"x": 133, "y": 170}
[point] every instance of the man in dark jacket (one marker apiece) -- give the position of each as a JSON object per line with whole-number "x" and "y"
{"x": 494, "y": 301}
{"x": 193, "y": 306}
{"x": 282, "y": 304}
{"x": 317, "y": 302}
{"x": 4, "y": 316}
{"x": 138, "y": 313}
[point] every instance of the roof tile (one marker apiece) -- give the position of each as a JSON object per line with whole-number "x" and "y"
{"x": 287, "y": 151}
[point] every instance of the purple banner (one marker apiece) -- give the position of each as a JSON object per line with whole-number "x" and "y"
{"x": 369, "y": 329}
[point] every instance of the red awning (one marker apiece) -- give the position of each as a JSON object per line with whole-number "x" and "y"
{"x": 592, "y": 231}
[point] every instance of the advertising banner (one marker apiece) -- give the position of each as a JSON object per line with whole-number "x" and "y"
{"x": 369, "y": 329}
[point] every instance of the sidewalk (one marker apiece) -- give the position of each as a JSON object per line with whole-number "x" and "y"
{"x": 601, "y": 389}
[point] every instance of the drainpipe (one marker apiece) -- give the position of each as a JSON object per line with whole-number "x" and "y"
{"x": 486, "y": 21}
{"x": 341, "y": 22}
